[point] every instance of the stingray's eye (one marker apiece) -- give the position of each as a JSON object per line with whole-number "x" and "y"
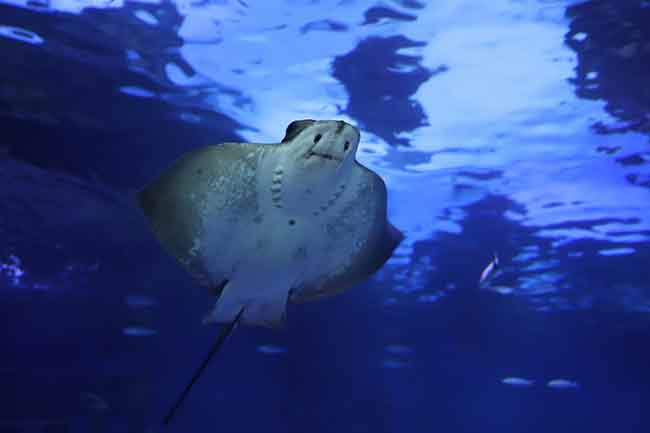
{"x": 346, "y": 146}
{"x": 317, "y": 138}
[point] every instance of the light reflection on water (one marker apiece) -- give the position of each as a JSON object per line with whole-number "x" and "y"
{"x": 503, "y": 103}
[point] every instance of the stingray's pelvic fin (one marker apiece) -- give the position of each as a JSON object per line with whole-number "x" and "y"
{"x": 226, "y": 330}
{"x": 265, "y": 301}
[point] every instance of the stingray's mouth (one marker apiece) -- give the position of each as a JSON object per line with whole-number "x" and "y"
{"x": 322, "y": 155}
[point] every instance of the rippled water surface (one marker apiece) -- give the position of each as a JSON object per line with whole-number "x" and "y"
{"x": 511, "y": 127}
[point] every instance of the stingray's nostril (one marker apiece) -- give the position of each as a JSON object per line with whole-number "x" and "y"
{"x": 346, "y": 146}
{"x": 317, "y": 138}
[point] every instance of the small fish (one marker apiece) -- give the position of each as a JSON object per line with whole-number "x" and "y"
{"x": 489, "y": 268}
{"x": 138, "y": 331}
{"x": 270, "y": 349}
{"x": 518, "y": 382}
{"x": 562, "y": 384}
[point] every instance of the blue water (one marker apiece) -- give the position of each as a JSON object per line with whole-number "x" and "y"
{"x": 516, "y": 127}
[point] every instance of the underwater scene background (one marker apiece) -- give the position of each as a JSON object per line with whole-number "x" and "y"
{"x": 516, "y": 127}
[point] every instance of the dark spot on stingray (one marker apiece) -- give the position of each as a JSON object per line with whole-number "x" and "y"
{"x": 292, "y": 222}
{"x": 317, "y": 138}
{"x": 199, "y": 171}
{"x": 258, "y": 219}
{"x": 347, "y": 145}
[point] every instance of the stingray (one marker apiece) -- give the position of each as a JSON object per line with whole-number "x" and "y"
{"x": 261, "y": 225}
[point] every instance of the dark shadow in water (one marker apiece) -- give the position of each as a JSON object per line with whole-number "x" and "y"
{"x": 612, "y": 39}
{"x": 379, "y": 91}
{"x": 60, "y": 104}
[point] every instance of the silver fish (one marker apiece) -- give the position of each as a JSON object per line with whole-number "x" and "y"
{"x": 489, "y": 268}
{"x": 517, "y": 381}
{"x": 562, "y": 384}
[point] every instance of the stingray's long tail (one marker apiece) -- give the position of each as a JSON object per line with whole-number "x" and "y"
{"x": 226, "y": 330}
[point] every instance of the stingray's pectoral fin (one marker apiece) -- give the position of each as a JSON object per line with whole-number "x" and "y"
{"x": 264, "y": 303}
